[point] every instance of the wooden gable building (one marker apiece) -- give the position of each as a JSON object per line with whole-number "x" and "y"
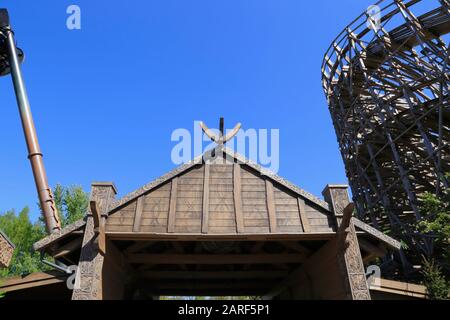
{"x": 225, "y": 227}
{"x": 6, "y": 250}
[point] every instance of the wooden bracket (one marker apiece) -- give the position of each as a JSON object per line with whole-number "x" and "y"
{"x": 347, "y": 216}
{"x": 99, "y": 227}
{"x": 343, "y": 229}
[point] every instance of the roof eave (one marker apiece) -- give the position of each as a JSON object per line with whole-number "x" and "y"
{"x": 58, "y": 235}
{"x": 387, "y": 240}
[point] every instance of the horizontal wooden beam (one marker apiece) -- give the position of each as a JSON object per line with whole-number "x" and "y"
{"x": 38, "y": 279}
{"x": 150, "y": 236}
{"x": 215, "y": 259}
{"x": 200, "y": 275}
{"x": 400, "y": 288}
{"x": 207, "y": 292}
{"x": 137, "y": 246}
{"x": 206, "y": 285}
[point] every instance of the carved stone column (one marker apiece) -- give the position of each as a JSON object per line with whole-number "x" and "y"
{"x": 349, "y": 254}
{"x": 91, "y": 260}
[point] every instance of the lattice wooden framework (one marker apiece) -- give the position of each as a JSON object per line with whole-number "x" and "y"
{"x": 388, "y": 95}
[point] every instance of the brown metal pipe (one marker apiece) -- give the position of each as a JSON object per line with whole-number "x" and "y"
{"x": 35, "y": 156}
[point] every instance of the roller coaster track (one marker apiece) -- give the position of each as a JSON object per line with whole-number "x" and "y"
{"x": 388, "y": 94}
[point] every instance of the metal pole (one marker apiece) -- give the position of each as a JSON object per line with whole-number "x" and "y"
{"x": 35, "y": 156}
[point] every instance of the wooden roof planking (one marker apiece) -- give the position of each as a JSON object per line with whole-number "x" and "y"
{"x": 234, "y": 200}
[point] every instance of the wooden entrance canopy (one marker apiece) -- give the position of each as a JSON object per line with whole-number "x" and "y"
{"x": 225, "y": 227}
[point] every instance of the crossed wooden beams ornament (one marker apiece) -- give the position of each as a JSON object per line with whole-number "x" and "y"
{"x": 220, "y": 139}
{"x": 214, "y": 154}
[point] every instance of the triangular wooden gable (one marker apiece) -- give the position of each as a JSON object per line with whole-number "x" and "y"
{"x": 240, "y": 198}
{"x": 220, "y": 198}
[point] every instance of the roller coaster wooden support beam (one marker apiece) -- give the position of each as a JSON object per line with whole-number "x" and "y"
{"x": 388, "y": 91}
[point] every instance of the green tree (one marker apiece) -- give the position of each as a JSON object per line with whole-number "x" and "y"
{"x": 436, "y": 224}
{"x": 23, "y": 233}
{"x": 71, "y": 203}
{"x": 434, "y": 280}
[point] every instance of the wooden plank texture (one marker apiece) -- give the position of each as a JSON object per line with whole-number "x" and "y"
{"x": 303, "y": 216}
{"x": 205, "y": 214}
{"x": 271, "y": 206}
{"x": 138, "y": 214}
{"x": 237, "y": 192}
{"x": 172, "y": 206}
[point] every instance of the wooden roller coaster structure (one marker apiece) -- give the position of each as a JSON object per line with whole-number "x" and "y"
{"x": 387, "y": 87}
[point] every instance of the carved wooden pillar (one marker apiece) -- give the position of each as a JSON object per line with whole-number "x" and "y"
{"x": 349, "y": 254}
{"x": 337, "y": 197}
{"x": 91, "y": 259}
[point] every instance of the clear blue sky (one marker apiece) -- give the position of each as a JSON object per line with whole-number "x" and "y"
{"x": 107, "y": 98}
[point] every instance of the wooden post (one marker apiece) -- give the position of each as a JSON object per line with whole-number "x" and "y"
{"x": 348, "y": 253}
{"x": 91, "y": 266}
{"x": 337, "y": 197}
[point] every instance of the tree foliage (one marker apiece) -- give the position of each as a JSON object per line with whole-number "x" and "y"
{"x": 436, "y": 224}
{"x": 71, "y": 203}
{"x": 23, "y": 233}
{"x": 435, "y": 281}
